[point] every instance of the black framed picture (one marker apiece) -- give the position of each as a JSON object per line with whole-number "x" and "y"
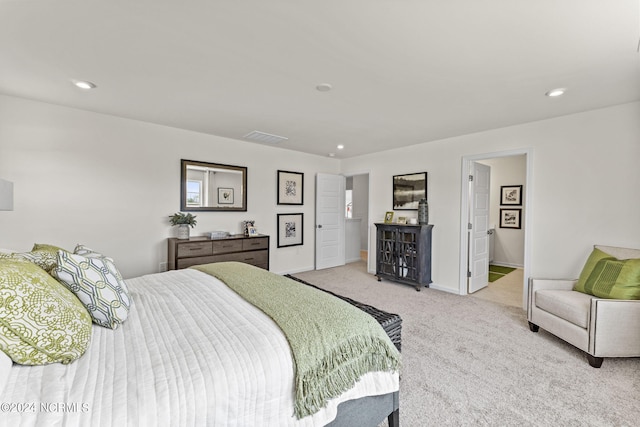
{"x": 511, "y": 195}
{"x": 408, "y": 190}
{"x": 225, "y": 196}
{"x": 290, "y": 188}
{"x": 290, "y": 229}
{"x": 510, "y": 218}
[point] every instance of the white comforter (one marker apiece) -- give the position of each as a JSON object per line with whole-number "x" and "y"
{"x": 191, "y": 353}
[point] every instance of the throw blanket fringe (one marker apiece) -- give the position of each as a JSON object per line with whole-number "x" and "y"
{"x": 332, "y": 343}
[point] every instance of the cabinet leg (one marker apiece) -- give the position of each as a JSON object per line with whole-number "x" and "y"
{"x": 418, "y": 288}
{"x": 379, "y": 278}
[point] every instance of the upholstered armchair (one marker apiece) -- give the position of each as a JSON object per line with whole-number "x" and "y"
{"x": 601, "y": 327}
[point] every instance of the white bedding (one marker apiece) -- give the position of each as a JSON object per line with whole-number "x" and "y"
{"x": 191, "y": 353}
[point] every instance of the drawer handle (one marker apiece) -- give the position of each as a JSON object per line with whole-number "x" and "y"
{"x": 195, "y": 249}
{"x": 248, "y": 259}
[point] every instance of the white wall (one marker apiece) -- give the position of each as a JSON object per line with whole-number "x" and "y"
{"x": 111, "y": 183}
{"x": 509, "y": 242}
{"x": 585, "y": 181}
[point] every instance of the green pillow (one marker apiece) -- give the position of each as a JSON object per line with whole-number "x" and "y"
{"x": 604, "y": 276}
{"x": 40, "y": 320}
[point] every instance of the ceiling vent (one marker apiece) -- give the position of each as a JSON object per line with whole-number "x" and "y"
{"x": 267, "y": 138}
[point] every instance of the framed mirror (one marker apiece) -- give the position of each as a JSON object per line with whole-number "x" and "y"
{"x": 212, "y": 187}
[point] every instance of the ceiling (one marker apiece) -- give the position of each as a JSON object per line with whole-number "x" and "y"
{"x": 402, "y": 72}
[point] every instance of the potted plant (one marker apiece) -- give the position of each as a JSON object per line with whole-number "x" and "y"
{"x": 183, "y": 221}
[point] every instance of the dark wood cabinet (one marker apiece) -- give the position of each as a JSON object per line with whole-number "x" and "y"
{"x": 403, "y": 253}
{"x": 184, "y": 253}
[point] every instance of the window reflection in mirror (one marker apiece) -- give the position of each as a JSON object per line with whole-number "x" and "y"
{"x": 212, "y": 187}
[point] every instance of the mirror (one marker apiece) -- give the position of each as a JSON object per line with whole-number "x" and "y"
{"x": 212, "y": 187}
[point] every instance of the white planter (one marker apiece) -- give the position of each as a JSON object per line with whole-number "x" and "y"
{"x": 183, "y": 231}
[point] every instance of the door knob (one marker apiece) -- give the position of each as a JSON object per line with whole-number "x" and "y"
{"x": 319, "y": 225}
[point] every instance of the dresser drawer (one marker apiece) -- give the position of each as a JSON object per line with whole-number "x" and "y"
{"x": 194, "y": 249}
{"x": 257, "y": 258}
{"x": 188, "y": 262}
{"x": 224, "y": 246}
{"x": 254, "y": 243}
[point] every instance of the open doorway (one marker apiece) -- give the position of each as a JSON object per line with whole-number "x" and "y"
{"x": 505, "y": 226}
{"x": 357, "y": 218}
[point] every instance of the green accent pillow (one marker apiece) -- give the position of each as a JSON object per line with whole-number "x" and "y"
{"x": 604, "y": 276}
{"x": 40, "y": 321}
{"x": 42, "y": 259}
{"x": 97, "y": 283}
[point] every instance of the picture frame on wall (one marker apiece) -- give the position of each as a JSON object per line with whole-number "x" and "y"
{"x": 225, "y": 196}
{"x": 408, "y": 190}
{"x": 290, "y": 229}
{"x": 511, "y": 218}
{"x": 290, "y": 188}
{"x": 511, "y": 195}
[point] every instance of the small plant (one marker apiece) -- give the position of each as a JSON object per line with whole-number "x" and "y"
{"x": 183, "y": 218}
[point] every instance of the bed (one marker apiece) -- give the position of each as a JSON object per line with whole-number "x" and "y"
{"x": 192, "y": 352}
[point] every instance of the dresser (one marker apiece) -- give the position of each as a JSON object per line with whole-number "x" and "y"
{"x": 403, "y": 253}
{"x": 184, "y": 253}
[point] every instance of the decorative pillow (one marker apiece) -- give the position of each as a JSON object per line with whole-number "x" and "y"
{"x": 605, "y": 276}
{"x": 98, "y": 284}
{"x": 42, "y": 259}
{"x": 40, "y": 321}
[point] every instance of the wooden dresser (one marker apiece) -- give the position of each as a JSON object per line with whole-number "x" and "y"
{"x": 184, "y": 253}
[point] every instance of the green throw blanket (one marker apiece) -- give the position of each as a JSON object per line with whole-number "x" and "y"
{"x": 333, "y": 343}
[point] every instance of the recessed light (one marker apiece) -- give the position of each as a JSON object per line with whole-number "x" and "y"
{"x": 340, "y": 147}
{"x": 324, "y": 87}
{"x": 556, "y": 92}
{"x": 83, "y": 84}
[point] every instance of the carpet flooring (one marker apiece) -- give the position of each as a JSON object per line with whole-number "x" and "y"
{"x": 468, "y": 362}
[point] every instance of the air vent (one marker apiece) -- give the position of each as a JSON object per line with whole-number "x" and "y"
{"x": 265, "y": 137}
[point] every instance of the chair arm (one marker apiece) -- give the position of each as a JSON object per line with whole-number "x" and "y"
{"x": 555, "y": 284}
{"x": 614, "y": 328}
{"x": 543, "y": 284}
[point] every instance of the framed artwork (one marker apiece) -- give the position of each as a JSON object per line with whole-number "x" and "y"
{"x": 402, "y": 220}
{"x": 290, "y": 229}
{"x": 510, "y": 218}
{"x": 511, "y": 195}
{"x": 290, "y": 188}
{"x": 408, "y": 190}
{"x": 225, "y": 196}
{"x": 388, "y": 217}
{"x": 252, "y": 231}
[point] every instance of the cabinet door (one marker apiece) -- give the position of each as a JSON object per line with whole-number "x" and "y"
{"x": 407, "y": 247}
{"x": 386, "y": 258}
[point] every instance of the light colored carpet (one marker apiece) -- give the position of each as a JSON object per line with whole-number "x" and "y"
{"x": 468, "y": 361}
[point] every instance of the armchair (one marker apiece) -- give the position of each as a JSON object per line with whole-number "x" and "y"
{"x": 600, "y": 327}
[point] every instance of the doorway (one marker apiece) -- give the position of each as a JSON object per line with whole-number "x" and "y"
{"x": 357, "y": 218}
{"x": 508, "y": 239}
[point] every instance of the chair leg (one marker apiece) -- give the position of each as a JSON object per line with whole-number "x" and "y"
{"x": 533, "y": 327}
{"x": 595, "y": 362}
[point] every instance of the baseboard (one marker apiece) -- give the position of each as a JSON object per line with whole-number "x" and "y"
{"x": 443, "y": 289}
{"x": 298, "y": 270}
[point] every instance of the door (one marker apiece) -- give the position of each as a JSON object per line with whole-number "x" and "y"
{"x": 330, "y": 221}
{"x": 479, "y": 185}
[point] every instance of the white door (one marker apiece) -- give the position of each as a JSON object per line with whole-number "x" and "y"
{"x": 330, "y": 219}
{"x": 480, "y": 178}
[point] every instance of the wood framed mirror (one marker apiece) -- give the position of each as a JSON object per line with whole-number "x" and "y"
{"x": 212, "y": 187}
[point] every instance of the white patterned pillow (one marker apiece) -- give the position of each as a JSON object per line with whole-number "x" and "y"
{"x": 97, "y": 283}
